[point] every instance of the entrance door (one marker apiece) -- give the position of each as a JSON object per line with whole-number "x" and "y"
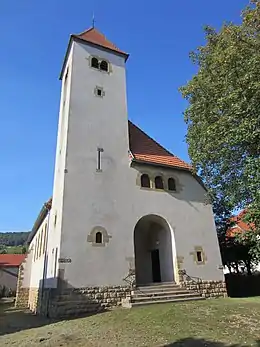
{"x": 156, "y": 265}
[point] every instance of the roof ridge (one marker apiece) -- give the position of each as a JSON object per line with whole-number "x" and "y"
{"x": 99, "y": 32}
{"x": 96, "y": 40}
{"x": 158, "y": 144}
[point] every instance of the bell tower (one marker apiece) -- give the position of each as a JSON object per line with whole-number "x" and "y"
{"x": 92, "y": 164}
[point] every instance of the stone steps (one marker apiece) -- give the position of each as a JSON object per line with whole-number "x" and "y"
{"x": 178, "y": 290}
{"x": 149, "y": 302}
{"x": 157, "y": 287}
{"x": 158, "y": 296}
{"x": 159, "y": 293}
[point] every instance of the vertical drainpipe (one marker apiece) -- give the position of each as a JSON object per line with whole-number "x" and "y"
{"x": 45, "y": 263}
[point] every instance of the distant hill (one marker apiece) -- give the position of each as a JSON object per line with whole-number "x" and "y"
{"x": 13, "y": 242}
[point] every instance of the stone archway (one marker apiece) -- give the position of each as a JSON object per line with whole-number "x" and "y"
{"x": 153, "y": 246}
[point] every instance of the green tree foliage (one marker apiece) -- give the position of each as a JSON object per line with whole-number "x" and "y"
{"x": 223, "y": 115}
{"x": 223, "y": 118}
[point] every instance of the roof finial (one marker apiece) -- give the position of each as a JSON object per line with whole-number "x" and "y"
{"x": 93, "y": 20}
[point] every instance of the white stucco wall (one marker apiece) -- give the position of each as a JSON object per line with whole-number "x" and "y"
{"x": 34, "y": 266}
{"x": 111, "y": 198}
{"x": 55, "y": 221}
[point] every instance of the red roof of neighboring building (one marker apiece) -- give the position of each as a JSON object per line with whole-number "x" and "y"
{"x": 92, "y": 35}
{"x": 10, "y": 260}
{"x": 239, "y": 225}
{"x": 145, "y": 149}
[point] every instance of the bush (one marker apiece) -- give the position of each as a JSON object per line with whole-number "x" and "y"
{"x": 6, "y": 292}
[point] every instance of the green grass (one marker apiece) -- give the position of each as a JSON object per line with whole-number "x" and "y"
{"x": 13, "y": 249}
{"x": 211, "y": 323}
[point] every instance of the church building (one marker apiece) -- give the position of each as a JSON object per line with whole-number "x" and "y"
{"x": 128, "y": 221}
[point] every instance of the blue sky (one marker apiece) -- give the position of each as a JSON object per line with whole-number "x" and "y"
{"x": 34, "y": 34}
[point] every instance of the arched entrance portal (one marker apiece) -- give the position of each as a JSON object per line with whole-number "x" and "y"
{"x": 153, "y": 250}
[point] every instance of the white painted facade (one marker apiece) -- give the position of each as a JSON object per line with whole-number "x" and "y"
{"x": 34, "y": 266}
{"x": 111, "y": 198}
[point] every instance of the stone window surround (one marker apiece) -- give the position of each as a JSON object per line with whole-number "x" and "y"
{"x": 102, "y": 91}
{"x": 92, "y": 236}
{"x": 99, "y": 61}
{"x": 203, "y": 255}
{"x": 152, "y": 174}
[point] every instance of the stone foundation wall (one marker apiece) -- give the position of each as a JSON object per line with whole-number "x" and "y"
{"x": 208, "y": 289}
{"x": 33, "y": 299}
{"x": 22, "y": 293}
{"x": 69, "y": 302}
{"x": 106, "y": 296}
{"x": 21, "y": 300}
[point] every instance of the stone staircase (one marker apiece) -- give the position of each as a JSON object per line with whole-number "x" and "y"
{"x": 159, "y": 293}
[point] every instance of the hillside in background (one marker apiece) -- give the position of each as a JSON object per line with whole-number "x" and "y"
{"x": 13, "y": 242}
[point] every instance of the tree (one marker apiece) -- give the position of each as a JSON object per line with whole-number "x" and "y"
{"x": 13, "y": 238}
{"x": 223, "y": 114}
{"x": 223, "y": 118}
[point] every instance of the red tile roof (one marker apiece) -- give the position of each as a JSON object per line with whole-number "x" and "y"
{"x": 92, "y": 35}
{"x": 239, "y": 226}
{"x": 145, "y": 149}
{"x": 9, "y": 260}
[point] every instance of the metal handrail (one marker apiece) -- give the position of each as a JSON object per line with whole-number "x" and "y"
{"x": 130, "y": 278}
{"x": 194, "y": 279}
{"x": 132, "y": 283}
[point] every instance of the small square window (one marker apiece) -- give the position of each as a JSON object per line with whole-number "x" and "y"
{"x": 199, "y": 256}
{"x": 99, "y": 91}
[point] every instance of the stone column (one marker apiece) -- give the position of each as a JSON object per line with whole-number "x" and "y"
{"x": 22, "y": 293}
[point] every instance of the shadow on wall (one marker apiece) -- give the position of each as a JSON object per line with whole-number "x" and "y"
{"x": 242, "y": 285}
{"x": 67, "y": 301}
{"x": 190, "y": 342}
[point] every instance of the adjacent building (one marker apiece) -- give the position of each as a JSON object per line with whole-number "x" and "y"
{"x": 9, "y": 266}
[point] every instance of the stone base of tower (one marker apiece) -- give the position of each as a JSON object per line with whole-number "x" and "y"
{"x": 55, "y": 303}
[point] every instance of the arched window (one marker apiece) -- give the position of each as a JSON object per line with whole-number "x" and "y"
{"x": 98, "y": 237}
{"x": 158, "y": 182}
{"x": 104, "y": 65}
{"x": 171, "y": 184}
{"x": 145, "y": 181}
{"x": 94, "y": 63}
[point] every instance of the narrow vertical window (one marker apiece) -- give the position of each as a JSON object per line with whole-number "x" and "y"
{"x": 145, "y": 181}
{"x": 55, "y": 219}
{"x": 37, "y": 247}
{"x": 98, "y": 237}
{"x": 158, "y": 182}
{"x": 40, "y": 243}
{"x": 199, "y": 256}
{"x": 171, "y": 184}
{"x": 44, "y": 239}
{"x": 35, "y": 250}
{"x": 94, "y": 63}
{"x": 104, "y": 65}
{"x": 65, "y": 87}
{"x": 99, "y": 151}
{"x": 55, "y": 262}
